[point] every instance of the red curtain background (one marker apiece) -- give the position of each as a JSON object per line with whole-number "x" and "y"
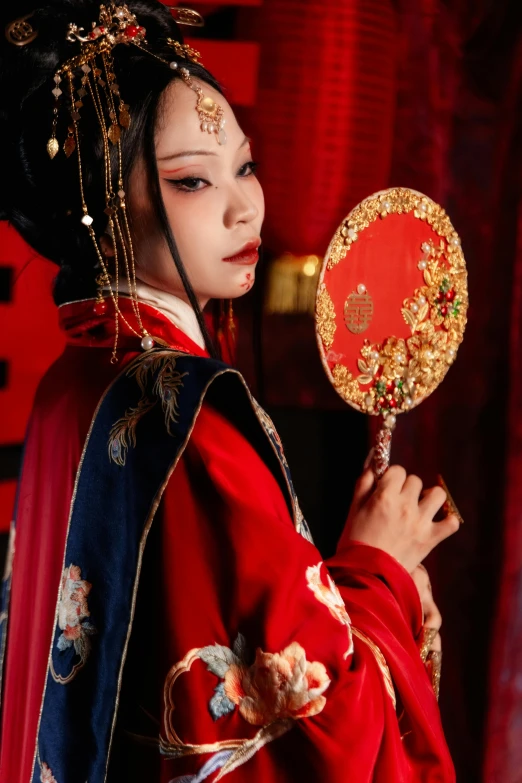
{"x": 343, "y": 98}
{"x": 358, "y": 96}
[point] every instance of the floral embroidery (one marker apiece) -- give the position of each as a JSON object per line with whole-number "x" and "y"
{"x": 272, "y": 692}
{"x": 73, "y": 612}
{"x": 330, "y": 596}
{"x": 277, "y": 686}
{"x": 46, "y": 775}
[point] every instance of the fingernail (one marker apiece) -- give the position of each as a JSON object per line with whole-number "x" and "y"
{"x": 368, "y": 460}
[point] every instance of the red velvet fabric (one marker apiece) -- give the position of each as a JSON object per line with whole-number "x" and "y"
{"x": 231, "y": 561}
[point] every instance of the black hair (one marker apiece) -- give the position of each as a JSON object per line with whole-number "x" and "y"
{"x": 40, "y": 197}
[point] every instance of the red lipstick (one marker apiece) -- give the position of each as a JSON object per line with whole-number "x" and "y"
{"x": 247, "y": 255}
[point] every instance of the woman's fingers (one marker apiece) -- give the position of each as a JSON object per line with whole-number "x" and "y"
{"x": 432, "y": 501}
{"x": 369, "y": 459}
{"x": 445, "y": 528}
{"x": 388, "y": 515}
{"x": 432, "y": 616}
{"x": 422, "y": 580}
{"x": 393, "y": 478}
{"x": 363, "y": 489}
{"x": 412, "y": 487}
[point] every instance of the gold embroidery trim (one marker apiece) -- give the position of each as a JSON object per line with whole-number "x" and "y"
{"x": 398, "y": 374}
{"x": 167, "y": 386}
{"x": 381, "y": 663}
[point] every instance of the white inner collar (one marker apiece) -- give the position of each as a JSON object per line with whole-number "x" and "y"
{"x": 180, "y": 313}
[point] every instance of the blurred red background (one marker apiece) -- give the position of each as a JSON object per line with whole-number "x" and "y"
{"x": 343, "y": 99}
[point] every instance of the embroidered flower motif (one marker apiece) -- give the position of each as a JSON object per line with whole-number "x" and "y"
{"x": 272, "y": 692}
{"x": 277, "y": 686}
{"x": 73, "y": 612}
{"x": 330, "y": 596}
{"x": 46, "y": 775}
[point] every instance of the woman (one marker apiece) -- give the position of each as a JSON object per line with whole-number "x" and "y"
{"x": 169, "y": 617}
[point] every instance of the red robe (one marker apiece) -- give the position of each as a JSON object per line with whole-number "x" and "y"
{"x": 336, "y": 690}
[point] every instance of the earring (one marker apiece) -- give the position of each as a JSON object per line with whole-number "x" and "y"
{"x": 231, "y": 326}
{"x": 226, "y": 332}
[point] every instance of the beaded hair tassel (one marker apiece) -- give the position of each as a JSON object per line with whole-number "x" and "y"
{"x": 90, "y": 75}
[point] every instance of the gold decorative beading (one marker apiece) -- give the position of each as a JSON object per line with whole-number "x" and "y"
{"x": 399, "y": 373}
{"x": 325, "y": 317}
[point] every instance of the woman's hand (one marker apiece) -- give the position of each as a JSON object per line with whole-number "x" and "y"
{"x": 392, "y": 516}
{"x": 432, "y": 616}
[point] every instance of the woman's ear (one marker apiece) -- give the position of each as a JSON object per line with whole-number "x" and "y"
{"x": 107, "y": 246}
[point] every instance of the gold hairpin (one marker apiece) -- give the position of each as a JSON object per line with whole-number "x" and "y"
{"x": 187, "y": 16}
{"x": 20, "y": 32}
{"x": 116, "y": 25}
{"x": 185, "y": 51}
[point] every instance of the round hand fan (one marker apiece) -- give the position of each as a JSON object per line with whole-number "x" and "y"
{"x": 391, "y": 306}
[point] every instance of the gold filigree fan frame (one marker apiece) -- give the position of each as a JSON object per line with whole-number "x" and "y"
{"x": 399, "y": 373}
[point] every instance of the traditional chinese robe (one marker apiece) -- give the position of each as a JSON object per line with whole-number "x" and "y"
{"x": 169, "y": 617}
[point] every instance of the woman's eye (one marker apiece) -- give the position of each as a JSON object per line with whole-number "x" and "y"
{"x": 248, "y": 169}
{"x": 189, "y": 184}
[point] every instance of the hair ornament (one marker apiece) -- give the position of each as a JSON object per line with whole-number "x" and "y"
{"x": 188, "y": 17}
{"x": 90, "y": 76}
{"x": 210, "y": 113}
{"x": 116, "y": 25}
{"x": 20, "y": 32}
{"x": 185, "y": 51}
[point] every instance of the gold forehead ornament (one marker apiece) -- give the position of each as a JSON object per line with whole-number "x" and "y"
{"x": 118, "y": 25}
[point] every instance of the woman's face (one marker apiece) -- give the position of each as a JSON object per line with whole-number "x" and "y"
{"x": 213, "y": 200}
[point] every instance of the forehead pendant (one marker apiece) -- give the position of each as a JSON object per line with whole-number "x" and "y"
{"x": 211, "y": 115}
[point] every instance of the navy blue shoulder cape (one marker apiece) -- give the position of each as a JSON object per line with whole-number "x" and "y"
{"x": 139, "y": 432}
